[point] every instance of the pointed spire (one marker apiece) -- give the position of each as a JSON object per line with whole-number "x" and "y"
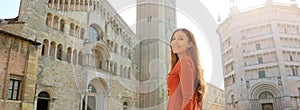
{"x": 233, "y": 7}
{"x": 269, "y": 2}
{"x": 219, "y": 18}
{"x": 294, "y": 3}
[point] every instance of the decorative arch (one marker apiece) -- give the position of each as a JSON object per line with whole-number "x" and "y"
{"x": 265, "y": 95}
{"x": 95, "y": 33}
{"x": 100, "y": 55}
{"x": 229, "y": 96}
{"x": 100, "y": 85}
{"x": 257, "y": 89}
{"x": 96, "y": 94}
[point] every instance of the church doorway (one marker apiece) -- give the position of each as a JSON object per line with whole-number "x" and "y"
{"x": 267, "y": 106}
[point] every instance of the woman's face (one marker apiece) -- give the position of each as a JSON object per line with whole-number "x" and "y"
{"x": 180, "y": 43}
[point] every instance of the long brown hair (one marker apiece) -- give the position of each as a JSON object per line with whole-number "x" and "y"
{"x": 193, "y": 52}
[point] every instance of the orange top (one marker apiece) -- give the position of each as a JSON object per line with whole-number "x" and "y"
{"x": 181, "y": 87}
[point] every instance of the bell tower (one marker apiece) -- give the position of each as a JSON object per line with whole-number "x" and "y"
{"x": 156, "y": 20}
{"x": 233, "y": 7}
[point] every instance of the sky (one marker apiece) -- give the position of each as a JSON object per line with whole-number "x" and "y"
{"x": 217, "y": 8}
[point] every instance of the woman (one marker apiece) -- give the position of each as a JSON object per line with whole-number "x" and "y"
{"x": 186, "y": 85}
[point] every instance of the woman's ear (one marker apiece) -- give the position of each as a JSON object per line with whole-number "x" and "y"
{"x": 190, "y": 44}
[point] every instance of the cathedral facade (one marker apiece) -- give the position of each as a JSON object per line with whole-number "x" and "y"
{"x": 260, "y": 54}
{"x": 84, "y": 59}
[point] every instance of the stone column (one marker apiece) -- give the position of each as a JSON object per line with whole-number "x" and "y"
{"x": 30, "y": 78}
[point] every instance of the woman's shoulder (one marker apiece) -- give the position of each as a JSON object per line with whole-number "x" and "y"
{"x": 187, "y": 58}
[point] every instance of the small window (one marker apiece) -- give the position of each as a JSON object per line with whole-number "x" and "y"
{"x": 257, "y": 46}
{"x": 298, "y": 91}
{"x": 262, "y": 74}
{"x": 233, "y": 79}
{"x": 295, "y": 71}
{"x": 260, "y": 60}
{"x": 291, "y": 58}
{"x": 247, "y": 84}
{"x": 13, "y": 90}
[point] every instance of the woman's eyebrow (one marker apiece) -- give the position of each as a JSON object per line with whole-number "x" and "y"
{"x": 178, "y": 36}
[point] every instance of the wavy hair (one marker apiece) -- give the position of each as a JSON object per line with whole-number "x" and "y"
{"x": 194, "y": 53}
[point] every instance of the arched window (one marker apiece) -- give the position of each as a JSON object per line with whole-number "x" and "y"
{"x": 122, "y": 72}
{"x": 111, "y": 67}
{"x": 75, "y": 57}
{"x": 72, "y": 1}
{"x": 45, "y": 47}
{"x": 126, "y": 72}
{"x": 49, "y": 19}
{"x": 125, "y": 106}
{"x": 116, "y": 48}
{"x": 93, "y": 35}
{"x": 59, "y": 52}
{"x": 43, "y": 101}
{"x": 69, "y": 55}
{"x": 82, "y": 33}
{"x": 129, "y": 71}
{"x": 122, "y": 50}
{"x": 113, "y": 46}
{"x": 52, "y": 49}
{"x": 62, "y": 25}
{"x": 77, "y": 31}
{"x": 80, "y": 58}
{"x": 56, "y": 22}
{"x": 115, "y": 69}
{"x": 72, "y": 29}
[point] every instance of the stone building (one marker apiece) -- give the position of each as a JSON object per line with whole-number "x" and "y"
{"x": 260, "y": 54}
{"x": 214, "y": 98}
{"x": 84, "y": 62}
{"x": 81, "y": 55}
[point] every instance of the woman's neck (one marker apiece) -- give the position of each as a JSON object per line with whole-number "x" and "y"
{"x": 181, "y": 55}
